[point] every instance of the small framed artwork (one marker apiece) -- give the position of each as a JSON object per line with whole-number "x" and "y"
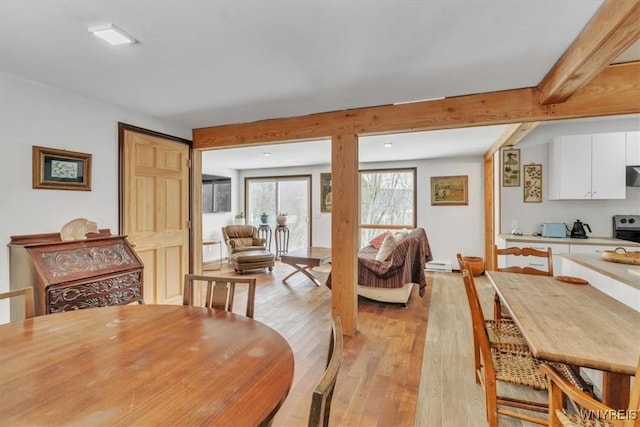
{"x": 449, "y": 190}
{"x": 532, "y": 183}
{"x": 326, "y": 197}
{"x": 61, "y": 169}
{"x": 511, "y": 168}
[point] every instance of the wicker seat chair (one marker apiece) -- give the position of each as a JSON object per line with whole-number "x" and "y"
{"x": 323, "y": 392}
{"x": 515, "y": 368}
{"x": 543, "y": 266}
{"x": 503, "y": 334}
{"x": 559, "y": 388}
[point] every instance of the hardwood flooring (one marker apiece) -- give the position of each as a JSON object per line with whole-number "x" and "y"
{"x": 405, "y": 366}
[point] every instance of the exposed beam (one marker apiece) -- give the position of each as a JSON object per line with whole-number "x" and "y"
{"x": 615, "y": 91}
{"x": 614, "y": 28}
{"x": 510, "y": 136}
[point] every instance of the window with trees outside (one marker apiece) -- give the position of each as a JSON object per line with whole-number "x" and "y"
{"x": 388, "y": 201}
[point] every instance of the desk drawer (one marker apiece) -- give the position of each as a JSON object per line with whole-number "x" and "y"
{"x": 110, "y": 290}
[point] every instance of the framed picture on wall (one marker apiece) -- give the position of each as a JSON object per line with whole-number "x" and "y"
{"x": 511, "y": 168}
{"x": 449, "y": 190}
{"x": 326, "y": 196}
{"x": 56, "y": 169}
{"x": 532, "y": 189}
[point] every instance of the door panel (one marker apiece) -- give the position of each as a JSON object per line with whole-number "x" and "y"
{"x": 156, "y": 214}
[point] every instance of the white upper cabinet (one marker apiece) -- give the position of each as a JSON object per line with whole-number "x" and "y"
{"x": 633, "y": 148}
{"x": 587, "y": 166}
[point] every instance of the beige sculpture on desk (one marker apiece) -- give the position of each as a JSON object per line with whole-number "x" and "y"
{"x": 77, "y": 229}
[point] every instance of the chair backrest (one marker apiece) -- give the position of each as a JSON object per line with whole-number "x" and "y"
{"x": 480, "y": 334}
{"x": 27, "y": 293}
{"x": 538, "y": 269}
{"x": 323, "y": 392}
{"x": 241, "y": 235}
{"x": 220, "y": 292}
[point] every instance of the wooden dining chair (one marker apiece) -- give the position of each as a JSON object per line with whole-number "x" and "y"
{"x": 27, "y": 294}
{"x": 591, "y": 412}
{"x": 220, "y": 292}
{"x": 541, "y": 264}
{"x": 516, "y": 368}
{"x": 323, "y": 392}
{"x": 503, "y": 333}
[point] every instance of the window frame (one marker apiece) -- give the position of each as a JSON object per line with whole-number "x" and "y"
{"x": 414, "y": 171}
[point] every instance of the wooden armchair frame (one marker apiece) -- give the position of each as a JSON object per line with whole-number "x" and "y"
{"x": 220, "y": 291}
{"x": 323, "y": 392}
{"x": 559, "y": 388}
{"x": 27, "y": 293}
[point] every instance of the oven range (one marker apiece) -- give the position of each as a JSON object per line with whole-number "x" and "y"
{"x": 627, "y": 227}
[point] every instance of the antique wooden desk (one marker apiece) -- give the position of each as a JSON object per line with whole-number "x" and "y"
{"x": 575, "y": 324}
{"x": 142, "y": 365}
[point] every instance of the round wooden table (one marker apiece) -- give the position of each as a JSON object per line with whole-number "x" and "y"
{"x": 142, "y": 365}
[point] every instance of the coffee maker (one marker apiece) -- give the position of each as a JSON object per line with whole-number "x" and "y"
{"x": 578, "y": 231}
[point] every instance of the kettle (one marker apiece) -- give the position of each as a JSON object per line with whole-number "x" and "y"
{"x": 578, "y": 232}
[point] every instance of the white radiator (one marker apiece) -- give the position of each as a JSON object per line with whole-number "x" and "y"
{"x": 438, "y": 265}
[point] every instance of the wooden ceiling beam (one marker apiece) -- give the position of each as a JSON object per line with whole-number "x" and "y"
{"x": 511, "y": 136}
{"x": 614, "y": 28}
{"x": 614, "y": 91}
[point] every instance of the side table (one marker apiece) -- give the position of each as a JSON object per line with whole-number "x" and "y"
{"x": 264, "y": 231}
{"x": 213, "y": 242}
{"x": 282, "y": 240}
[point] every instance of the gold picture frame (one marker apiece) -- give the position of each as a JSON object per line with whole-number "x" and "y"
{"x": 326, "y": 195}
{"x": 532, "y": 189}
{"x": 449, "y": 190}
{"x": 511, "y": 167}
{"x": 55, "y": 169}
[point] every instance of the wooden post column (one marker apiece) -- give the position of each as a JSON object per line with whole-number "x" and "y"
{"x": 345, "y": 214}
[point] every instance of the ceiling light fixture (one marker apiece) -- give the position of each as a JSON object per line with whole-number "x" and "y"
{"x": 388, "y": 144}
{"x": 111, "y": 34}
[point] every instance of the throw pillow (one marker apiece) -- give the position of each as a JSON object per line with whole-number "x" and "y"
{"x": 377, "y": 241}
{"x": 387, "y": 247}
{"x": 400, "y": 235}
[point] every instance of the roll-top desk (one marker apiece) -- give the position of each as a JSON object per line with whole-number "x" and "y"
{"x": 99, "y": 271}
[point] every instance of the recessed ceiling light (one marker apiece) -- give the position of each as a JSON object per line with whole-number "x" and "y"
{"x": 112, "y": 34}
{"x": 266, "y": 154}
{"x": 388, "y": 144}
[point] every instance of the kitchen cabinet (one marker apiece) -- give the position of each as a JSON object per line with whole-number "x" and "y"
{"x": 587, "y": 166}
{"x": 633, "y": 148}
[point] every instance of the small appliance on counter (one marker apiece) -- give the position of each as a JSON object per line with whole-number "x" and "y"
{"x": 578, "y": 231}
{"x": 554, "y": 229}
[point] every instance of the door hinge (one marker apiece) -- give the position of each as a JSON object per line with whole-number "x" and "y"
{"x": 189, "y": 225}
{"x": 189, "y": 163}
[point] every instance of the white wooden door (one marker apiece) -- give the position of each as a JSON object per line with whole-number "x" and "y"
{"x": 156, "y": 212}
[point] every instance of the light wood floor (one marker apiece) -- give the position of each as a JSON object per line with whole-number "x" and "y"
{"x": 405, "y": 367}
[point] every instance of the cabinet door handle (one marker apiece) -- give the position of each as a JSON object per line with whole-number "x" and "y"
{"x": 536, "y": 265}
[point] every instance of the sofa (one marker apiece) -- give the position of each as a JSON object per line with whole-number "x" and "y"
{"x": 390, "y": 278}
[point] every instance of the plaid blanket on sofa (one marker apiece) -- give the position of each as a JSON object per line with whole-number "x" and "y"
{"x": 405, "y": 265}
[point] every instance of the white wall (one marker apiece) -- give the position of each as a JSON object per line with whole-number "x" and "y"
{"x": 34, "y": 114}
{"x": 597, "y": 213}
{"x": 451, "y": 229}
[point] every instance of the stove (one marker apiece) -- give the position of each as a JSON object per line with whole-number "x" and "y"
{"x": 627, "y": 227}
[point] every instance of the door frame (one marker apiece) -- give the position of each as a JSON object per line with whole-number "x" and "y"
{"x": 122, "y": 127}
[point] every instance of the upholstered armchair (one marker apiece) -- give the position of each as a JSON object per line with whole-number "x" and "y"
{"x": 240, "y": 238}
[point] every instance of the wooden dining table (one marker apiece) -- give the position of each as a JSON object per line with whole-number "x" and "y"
{"x": 575, "y": 324}
{"x": 142, "y": 365}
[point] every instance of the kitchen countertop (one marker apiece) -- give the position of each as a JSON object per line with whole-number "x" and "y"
{"x": 596, "y": 241}
{"x": 615, "y": 270}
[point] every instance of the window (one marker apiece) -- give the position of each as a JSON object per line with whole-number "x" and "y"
{"x": 388, "y": 201}
{"x": 290, "y": 194}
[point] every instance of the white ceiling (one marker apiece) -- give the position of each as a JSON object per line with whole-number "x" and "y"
{"x": 203, "y": 63}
